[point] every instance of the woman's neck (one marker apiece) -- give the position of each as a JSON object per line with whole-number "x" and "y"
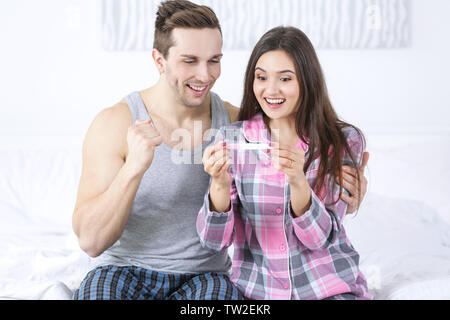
{"x": 283, "y": 131}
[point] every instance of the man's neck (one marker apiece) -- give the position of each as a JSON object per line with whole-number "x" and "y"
{"x": 160, "y": 100}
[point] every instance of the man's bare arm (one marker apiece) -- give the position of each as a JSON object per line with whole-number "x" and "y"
{"x": 106, "y": 189}
{"x": 115, "y": 158}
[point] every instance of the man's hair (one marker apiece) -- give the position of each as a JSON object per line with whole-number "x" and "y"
{"x": 180, "y": 14}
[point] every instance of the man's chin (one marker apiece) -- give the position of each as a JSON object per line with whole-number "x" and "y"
{"x": 195, "y": 102}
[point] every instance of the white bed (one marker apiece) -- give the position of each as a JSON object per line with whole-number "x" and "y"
{"x": 402, "y": 230}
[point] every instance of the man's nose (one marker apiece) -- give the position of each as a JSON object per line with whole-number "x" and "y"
{"x": 202, "y": 73}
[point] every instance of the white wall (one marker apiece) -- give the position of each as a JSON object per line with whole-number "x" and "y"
{"x": 54, "y": 75}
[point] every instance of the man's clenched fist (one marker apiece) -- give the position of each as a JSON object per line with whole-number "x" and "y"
{"x": 142, "y": 138}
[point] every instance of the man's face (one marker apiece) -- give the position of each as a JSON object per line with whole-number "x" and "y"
{"x": 193, "y": 64}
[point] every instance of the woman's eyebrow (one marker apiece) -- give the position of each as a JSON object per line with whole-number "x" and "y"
{"x": 282, "y": 71}
{"x": 287, "y": 70}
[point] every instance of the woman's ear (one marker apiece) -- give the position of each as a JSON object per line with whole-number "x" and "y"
{"x": 159, "y": 61}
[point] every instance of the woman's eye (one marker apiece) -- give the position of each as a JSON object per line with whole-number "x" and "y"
{"x": 285, "y": 79}
{"x": 260, "y": 77}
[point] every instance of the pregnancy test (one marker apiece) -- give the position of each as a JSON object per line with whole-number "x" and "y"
{"x": 248, "y": 146}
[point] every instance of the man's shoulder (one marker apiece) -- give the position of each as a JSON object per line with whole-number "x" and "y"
{"x": 233, "y": 111}
{"x": 118, "y": 114}
{"x": 109, "y": 128}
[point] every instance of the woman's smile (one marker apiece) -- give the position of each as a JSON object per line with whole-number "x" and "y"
{"x": 274, "y": 103}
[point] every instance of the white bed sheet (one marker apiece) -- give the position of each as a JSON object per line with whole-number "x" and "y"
{"x": 39, "y": 262}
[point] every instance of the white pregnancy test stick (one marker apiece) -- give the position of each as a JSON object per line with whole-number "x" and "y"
{"x": 249, "y": 146}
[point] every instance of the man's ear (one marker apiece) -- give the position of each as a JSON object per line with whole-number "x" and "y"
{"x": 159, "y": 61}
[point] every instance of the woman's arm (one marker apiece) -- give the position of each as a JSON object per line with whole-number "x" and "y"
{"x": 219, "y": 196}
{"x": 320, "y": 224}
{"x": 215, "y": 220}
{"x": 300, "y": 197}
{"x": 291, "y": 161}
{"x": 316, "y": 218}
{"x": 216, "y": 228}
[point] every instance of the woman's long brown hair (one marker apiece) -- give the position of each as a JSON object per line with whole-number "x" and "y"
{"x": 315, "y": 117}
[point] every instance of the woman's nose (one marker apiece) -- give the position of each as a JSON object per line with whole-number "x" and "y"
{"x": 272, "y": 87}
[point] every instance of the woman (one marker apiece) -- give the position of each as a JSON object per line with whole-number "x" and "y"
{"x": 273, "y": 191}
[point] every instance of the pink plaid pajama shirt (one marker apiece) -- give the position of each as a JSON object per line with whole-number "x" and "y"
{"x": 277, "y": 255}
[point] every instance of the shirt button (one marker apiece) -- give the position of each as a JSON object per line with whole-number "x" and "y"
{"x": 282, "y": 247}
{"x": 278, "y": 211}
{"x": 286, "y": 285}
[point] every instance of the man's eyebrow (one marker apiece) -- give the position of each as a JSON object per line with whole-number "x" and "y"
{"x": 282, "y": 71}
{"x": 190, "y": 56}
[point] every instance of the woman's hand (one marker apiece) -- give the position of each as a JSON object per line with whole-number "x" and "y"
{"x": 289, "y": 160}
{"x": 216, "y": 163}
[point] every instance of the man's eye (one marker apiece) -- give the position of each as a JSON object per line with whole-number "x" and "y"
{"x": 189, "y": 61}
{"x": 214, "y": 61}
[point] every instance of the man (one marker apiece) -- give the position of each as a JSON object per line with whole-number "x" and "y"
{"x": 136, "y": 208}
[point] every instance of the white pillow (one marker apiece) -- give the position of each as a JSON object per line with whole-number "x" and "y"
{"x": 39, "y": 185}
{"x": 400, "y": 242}
{"x": 414, "y": 167}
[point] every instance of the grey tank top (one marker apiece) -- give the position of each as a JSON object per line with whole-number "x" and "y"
{"x": 161, "y": 233}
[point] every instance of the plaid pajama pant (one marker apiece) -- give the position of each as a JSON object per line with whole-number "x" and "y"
{"x": 134, "y": 283}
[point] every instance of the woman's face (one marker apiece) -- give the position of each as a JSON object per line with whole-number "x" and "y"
{"x": 276, "y": 86}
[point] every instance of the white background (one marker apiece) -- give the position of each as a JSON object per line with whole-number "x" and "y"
{"x": 55, "y": 77}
